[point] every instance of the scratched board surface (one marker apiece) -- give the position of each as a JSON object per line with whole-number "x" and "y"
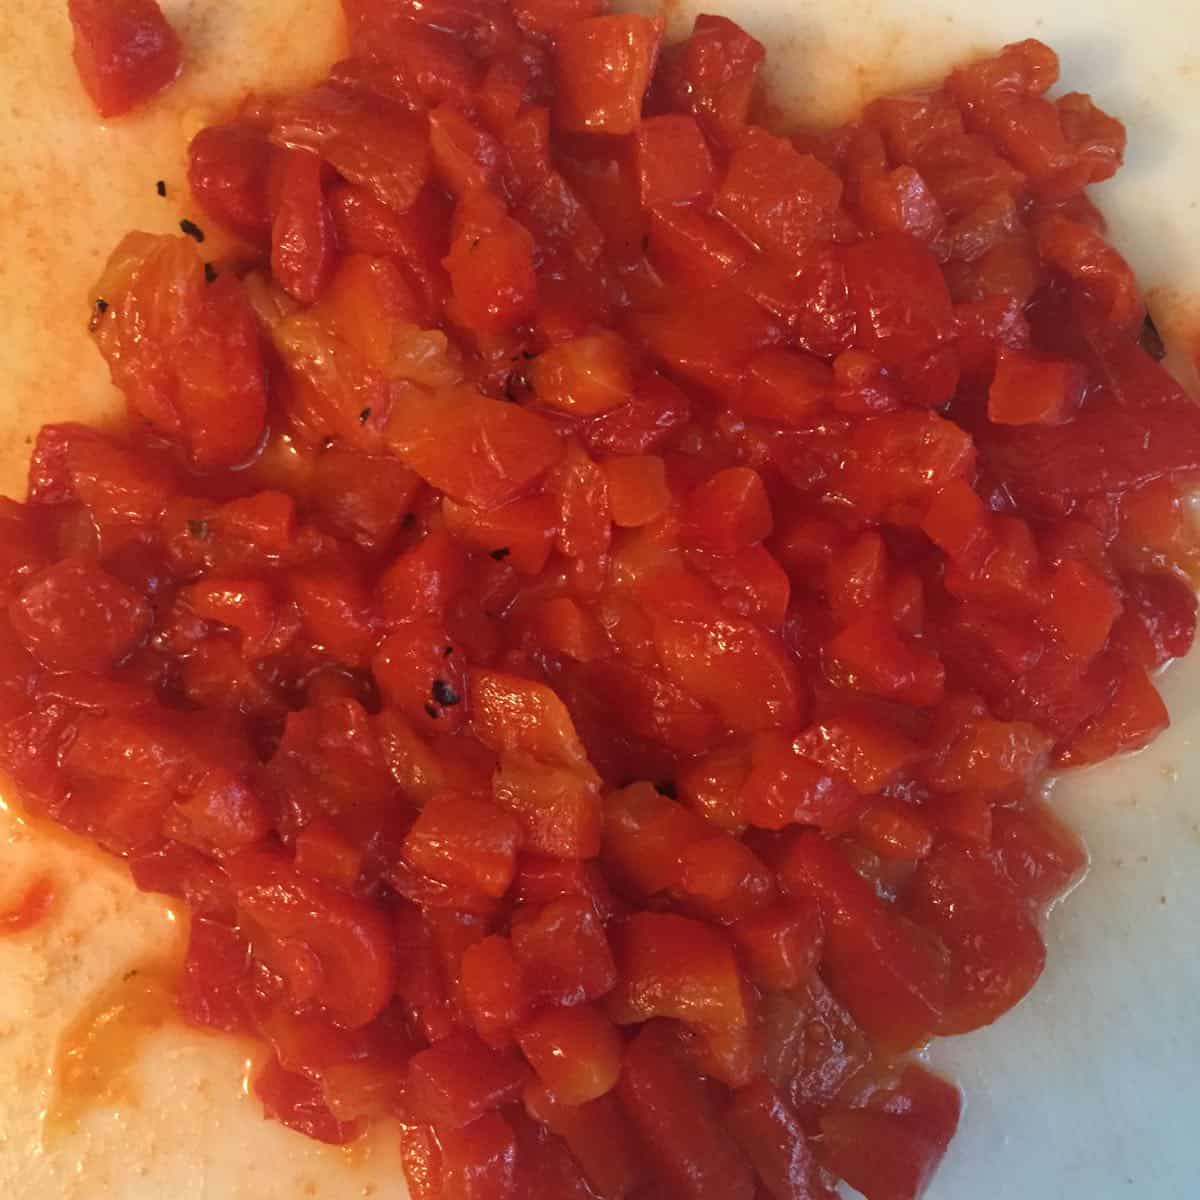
{"x": 1089, "y": 1090}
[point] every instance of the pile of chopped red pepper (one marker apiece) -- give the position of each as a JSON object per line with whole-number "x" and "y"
{"x": 588, "y": 594}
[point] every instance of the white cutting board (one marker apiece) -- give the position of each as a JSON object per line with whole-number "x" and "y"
{"x": 1089, "y": 1091}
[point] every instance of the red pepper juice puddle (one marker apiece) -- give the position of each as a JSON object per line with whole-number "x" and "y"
{"x": 104, "y": 1042}
{"x": 877, "y": 599}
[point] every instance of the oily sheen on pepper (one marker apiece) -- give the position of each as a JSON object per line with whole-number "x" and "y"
{"x": 587, "y": 595}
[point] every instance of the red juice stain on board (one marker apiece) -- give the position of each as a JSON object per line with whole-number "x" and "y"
{"x": 30, "y": 907}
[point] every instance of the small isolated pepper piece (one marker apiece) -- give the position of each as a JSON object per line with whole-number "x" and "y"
{"x": 125, "y": 52}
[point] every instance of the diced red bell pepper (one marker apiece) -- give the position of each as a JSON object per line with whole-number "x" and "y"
{"x": 74, "y": 616}
{"x": 418, "y": 239}
{"x": 786, "y": 387}
{"x": 364, "y": 498}
{"x": 493, "y": 989}
{"x": 657, "y": 410}
{"x": 423, "y": 580}
{"x": 973, "y": 751}
{"x": 771, "y": 1136}
{"x": 1131, "y": 719}
{"x": 1040, "y": 856}
{"x": 729, "y": 512}
{"x": 905, "y": 458}
{"x": 564, "y": 952}
{"x": 125, "y": 52}
{"x": 722, "y": 878}
{"x": 890, "y": 1148}
{"x": 1087, "y": 259}
{"x": 465, "y": 157}
{"x": 692, "y": 249}
{"x": 781, "y": 945}
{"x": 895, "y": 830}
{"x": 672, "y": 966}
{"x": 957, "y": 522}
{"x": 856, "y": 577}
{"x": 510, "y": 713}
{"x": 185, "y": 352}
{"x": 478, "y": 450}
{"x": 893, "y": 982}
{"x": 229, "y": 168}
{"x": 645, "y": 835}
{"x": 541, "y": 879}
{"x": 297, "y": 1102}
{"x": 871, "y": 657}
{"x": 673, "y": 162}
{"x": 521, "y": 532}
{"x": 602, "y": 69}
{"x": 984, "y": 327}
{"x": 637, "y": 489}
{"x": 779, "y": 199}
{"x": 303, "y": 245}
{"x": 600, "y": 1137}
{"x": 585, "y": 376}
{"x": 323, "y": 851}
{"x": 691, "y": 1149}
{"x": 459, "y": 1079}
{"x": 709, "y": 337}
{"x": 1159, "y": 620}
{"x": 549, "y": 16}
{"x": 334, "y": 607}
{"x": 869, "y": 753}
{"x": 491, "y": 266}
{"x": 421, "y": 1155}
{"x": 465, "y": 842}
{"x": 900, "y": 201}
{"x": 996, "y": 951}
{"x": 368, "y": 141}
{"x": 903, "y": 305}
{"x": 1028, "y": 389}
{"x": 350, "y": 937}
{"x": 1080, "y": 608}
{"x": 575, "y": 1051}
{"x": 713, "y": 75}
{"x": 481, "y": 1160}
{"x": 214, "y": 972}
{"x": 558, "y": 807}
{"x": 785, "y": 788}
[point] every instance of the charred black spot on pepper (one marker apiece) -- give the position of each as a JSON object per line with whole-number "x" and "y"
{"x": 513, "y": 381}
{"x": 364, "y": 416}
{"x": 501, "y": 553}
{"x": 449, "y": 650}
{"x": 192, "y": 230}
{"x": 444, "y": 693}
{"x": 666, "y": 787}
{"x": 99, "y": 309}
{"x": 210, "y": 273}
{"x": 1151, "y": 341}
{"x": 408, "y": 520}
{"x": 433, "y": 711}
{"x": 161, "y": 188}
{"x": 199, "y": 530}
